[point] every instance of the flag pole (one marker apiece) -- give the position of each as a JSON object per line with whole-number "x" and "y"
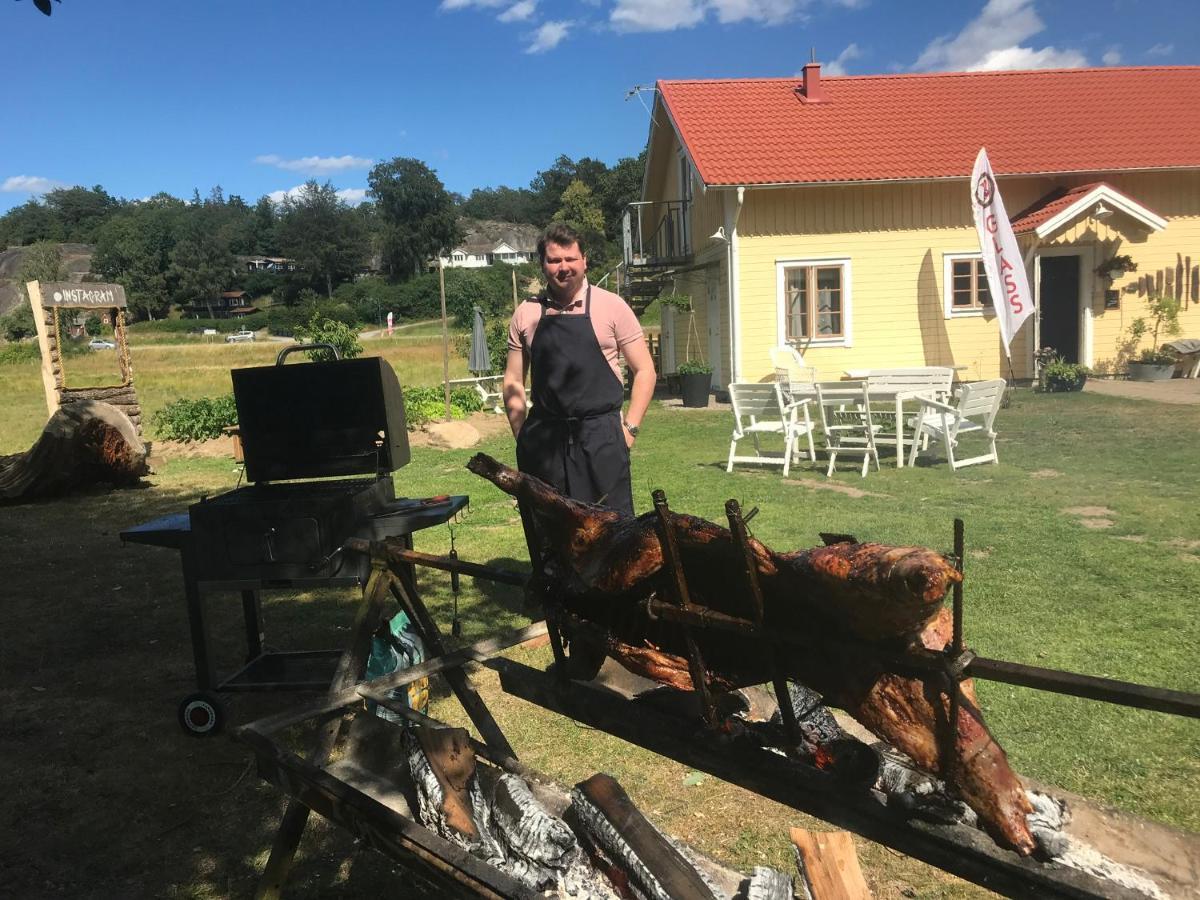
{"x": 445, "y": 336}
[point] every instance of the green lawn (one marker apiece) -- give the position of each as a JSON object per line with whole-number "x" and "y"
{"x": 1083, "y": 551}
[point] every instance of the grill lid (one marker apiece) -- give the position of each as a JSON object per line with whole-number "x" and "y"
{"x": 319, "y": 419}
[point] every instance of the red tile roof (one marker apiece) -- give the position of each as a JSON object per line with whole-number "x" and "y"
{"x": 892, "y": 127}
{"x": 1057, "y": 201}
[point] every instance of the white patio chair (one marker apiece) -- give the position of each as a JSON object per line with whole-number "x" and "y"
{"x": 845, "y": 408}
{"x": 788, "y": 357}
{"x": 974, "y": 411}
{"x": 760, "y": 409}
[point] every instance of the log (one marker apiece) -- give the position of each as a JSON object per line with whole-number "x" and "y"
{"x": 84, "y": 443}
{"x": 829, "y": 864}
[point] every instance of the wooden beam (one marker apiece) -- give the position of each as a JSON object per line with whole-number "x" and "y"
{"x": 830, "y": 865}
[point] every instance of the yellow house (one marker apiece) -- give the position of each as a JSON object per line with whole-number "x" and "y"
{"x": 834, "y": 214}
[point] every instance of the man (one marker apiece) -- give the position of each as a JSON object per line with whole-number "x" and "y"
{"x": 575, "y": 437}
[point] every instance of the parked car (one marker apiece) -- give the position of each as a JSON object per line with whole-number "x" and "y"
{"x": 101, "y": 344}
{"x": 238, "y": 337}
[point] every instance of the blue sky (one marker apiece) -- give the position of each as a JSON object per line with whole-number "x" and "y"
{"x": 257, "y": 96}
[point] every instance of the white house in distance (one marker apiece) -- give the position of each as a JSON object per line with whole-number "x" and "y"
{"x": 487, "y": 243}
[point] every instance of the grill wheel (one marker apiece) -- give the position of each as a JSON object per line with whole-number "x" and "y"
{"x": 202, "y": 714}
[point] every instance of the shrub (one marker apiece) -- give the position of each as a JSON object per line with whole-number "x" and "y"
{"x": 1059, "y": 375}
{"x": 195, "y": 420}
{"x": 320, "y": 330}
{"x": 427, "y": 404}
{"x": 693, "y": 367}
{"x": 26, "y": 351}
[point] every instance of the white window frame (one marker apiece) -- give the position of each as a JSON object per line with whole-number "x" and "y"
{"x": 949, "y": 309}
{"x": 781, "y": 267}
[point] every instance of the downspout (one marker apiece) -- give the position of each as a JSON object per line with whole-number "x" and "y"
{"x": 731, "y": 265}
{"x": 1031, "y": 274}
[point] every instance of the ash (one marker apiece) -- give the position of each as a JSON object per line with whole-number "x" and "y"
{"x": 1046, "y": 822}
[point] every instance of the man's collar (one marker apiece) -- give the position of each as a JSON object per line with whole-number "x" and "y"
{"x": 574, "y": 302}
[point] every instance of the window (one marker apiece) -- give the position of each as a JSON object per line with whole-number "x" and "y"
{"x": 966, "y": 287}
{"x": 815, "y": 301}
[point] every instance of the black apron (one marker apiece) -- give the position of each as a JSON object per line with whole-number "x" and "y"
{"x": 573, "y": 438}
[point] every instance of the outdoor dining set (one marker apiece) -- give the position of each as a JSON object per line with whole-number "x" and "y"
{"x": 916, "y": 410}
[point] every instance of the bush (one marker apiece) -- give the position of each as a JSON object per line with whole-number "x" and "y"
{"x": 693, "y": 367}
{"x": 1059, "y": 375}
{"x": 18, "y": 324}
{"x": 497, "y": 340}
{"x": 320, "y": 330}
{"x": 26, "y": 351}
{"x": 428, "y": 404}
{"x": 195, "y": 420}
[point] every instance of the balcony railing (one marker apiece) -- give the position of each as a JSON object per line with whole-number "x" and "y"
{"x": 657, "y": 233}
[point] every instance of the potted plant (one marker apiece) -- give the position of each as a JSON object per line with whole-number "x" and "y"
{"x": 695, "y": 375}
{"x": 694, "y": 379}
{"x": 1155, "y": 363}
{"x": 1114, "y": 268}
{"x": 1057, "y": 375}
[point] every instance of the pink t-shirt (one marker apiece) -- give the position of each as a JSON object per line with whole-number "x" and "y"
{"x": 613, "y": 321}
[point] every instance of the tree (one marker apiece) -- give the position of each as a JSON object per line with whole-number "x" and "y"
{"x": 41, "y": 262}
{"x": 323, "y": 235}
{"x": 201, "y": 266}
{"x": 31, "y": 221}
{"x": 262, "y": 227}
{"x": 581, "y": 211}
{"x": 81, "y": 211}
{"x": 417, "y": 220}
{"x": 618, "y": 187}
{"x": 501, "y": 204}
{"x": 134, "y": 249}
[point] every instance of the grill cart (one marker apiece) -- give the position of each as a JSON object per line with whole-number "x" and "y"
{"x": 307, "y": 431}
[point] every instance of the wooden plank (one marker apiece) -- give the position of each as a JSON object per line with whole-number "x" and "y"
{"x": 958, "y": 849}
{"x": 830, "y": 865}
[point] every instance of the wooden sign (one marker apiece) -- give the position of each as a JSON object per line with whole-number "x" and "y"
{"x": 78, "y": 295}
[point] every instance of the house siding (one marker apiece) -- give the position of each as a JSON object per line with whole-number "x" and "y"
{"x": 895, "y": 237}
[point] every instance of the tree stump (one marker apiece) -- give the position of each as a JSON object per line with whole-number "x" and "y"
{"x": 85, "y": 442}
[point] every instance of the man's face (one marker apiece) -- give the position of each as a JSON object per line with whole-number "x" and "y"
{"x": 564, "y": 267}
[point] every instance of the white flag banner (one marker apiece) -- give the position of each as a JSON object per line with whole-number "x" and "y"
{"x": 1006, "y": 277}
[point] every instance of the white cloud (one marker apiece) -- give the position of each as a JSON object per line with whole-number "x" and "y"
{"x": 548, "y": 36}
{"x": 29, "y": 184}
{"x": 451, "y": 5}
{"x": 352, "y": 196}
{"x": 992, "y": 41}
{"x": 1161, "y": 50}
{"x": 315, "y": 165}
{"x": 656, "y": 15}
{"x": 518, "y": 12}
{"x": 838, "y": 66}
{"x": 769, "y": 12}
{"x": 1112, "y": 56}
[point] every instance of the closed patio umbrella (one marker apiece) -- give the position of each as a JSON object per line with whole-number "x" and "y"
{"x": 479, "y": 360}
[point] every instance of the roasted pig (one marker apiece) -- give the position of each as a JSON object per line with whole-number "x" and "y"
{"x": 859, "y": 604}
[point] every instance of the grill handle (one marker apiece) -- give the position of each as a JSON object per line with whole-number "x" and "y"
{"x": 294, "y": 347}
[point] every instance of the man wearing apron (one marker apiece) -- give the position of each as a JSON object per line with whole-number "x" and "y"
{"x": 575, "y": 437}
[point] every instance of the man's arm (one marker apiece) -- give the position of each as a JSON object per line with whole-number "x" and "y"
{"x": 514, "y": 389}
{"x": 641, "y": 364}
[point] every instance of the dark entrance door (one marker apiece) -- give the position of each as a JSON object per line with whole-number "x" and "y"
{"x": 1060, "y": 305}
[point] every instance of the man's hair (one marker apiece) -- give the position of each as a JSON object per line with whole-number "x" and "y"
{"x": 562, "y": 234}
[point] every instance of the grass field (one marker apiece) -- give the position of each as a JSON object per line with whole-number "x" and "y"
{"x": 1083, "y": 554}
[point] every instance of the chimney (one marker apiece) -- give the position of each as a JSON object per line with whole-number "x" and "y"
{"x": 810, "y": 89}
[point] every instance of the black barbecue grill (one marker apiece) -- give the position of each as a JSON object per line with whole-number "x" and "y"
{"x": 316, "y": 420}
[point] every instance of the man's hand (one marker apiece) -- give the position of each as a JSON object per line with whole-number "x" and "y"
{"x": 629, "y": 438}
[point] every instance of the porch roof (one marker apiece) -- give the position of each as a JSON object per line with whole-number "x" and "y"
{"x": 1063, "y": 206}
{"x": 928, "y": 126}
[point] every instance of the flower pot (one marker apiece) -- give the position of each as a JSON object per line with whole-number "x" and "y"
{"x": 694, "y": 387}
{"x": 1151, "y": 371}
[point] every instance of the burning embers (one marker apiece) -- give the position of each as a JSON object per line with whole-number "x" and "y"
{"x": 594, "y": 844}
